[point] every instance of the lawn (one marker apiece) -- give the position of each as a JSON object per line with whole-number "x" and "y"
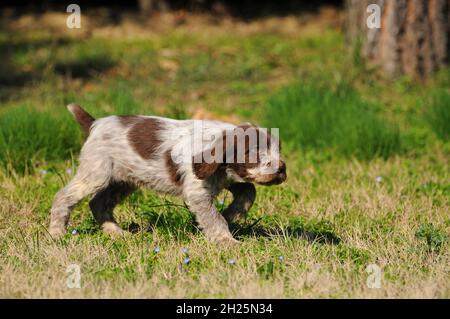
{"x": 368, "y": 162}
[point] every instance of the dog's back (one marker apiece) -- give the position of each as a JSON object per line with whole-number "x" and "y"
{"x": 140, "y": 149}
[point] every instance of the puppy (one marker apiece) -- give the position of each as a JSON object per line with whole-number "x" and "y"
{"x": 192, "y": 159}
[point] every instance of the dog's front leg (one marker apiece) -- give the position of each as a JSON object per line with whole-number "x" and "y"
{"x": 212, "y": 223}
{"x": 244, "y": 195}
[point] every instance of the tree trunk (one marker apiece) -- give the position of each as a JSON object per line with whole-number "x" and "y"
{"x": 413, "y": 37}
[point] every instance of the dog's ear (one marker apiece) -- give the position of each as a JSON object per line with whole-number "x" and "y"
{"x": 204, "y": 170}
{"x": 208, "y": 162}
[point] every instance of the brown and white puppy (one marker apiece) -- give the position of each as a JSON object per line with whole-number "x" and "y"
{"x": 189, "y": 158}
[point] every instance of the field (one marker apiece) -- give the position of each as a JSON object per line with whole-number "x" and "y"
{"x": 368, "y": 161}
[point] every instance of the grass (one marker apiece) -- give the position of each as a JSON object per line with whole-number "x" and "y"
{"x": 438, "y": 114}
{"x": 434, "y": 238}
{"x": 28, "y": 136}
{"x": 368, "y": 186}
{"x": 314, "y": 116}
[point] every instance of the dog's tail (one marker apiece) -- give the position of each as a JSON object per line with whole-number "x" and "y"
{"x": 83, "y": 118}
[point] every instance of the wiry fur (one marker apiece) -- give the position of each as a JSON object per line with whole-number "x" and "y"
{"x": 122, "y": 153}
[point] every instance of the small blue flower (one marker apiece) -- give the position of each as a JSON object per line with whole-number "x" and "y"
{"x": 74, "y": 232}
{"x": 184, "y": 250}
{"x": 156, "y": 249}
{"x": 186, "y": 260}
{"x": 232, "y": 261}
{"x": 379, "y": 179}
{"x": 280, "y": 258}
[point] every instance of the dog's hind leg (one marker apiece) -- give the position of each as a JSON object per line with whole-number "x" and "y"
{"x": 103, "y": 203}
{"x": 244, "y": 195}
{"x": 85, "y": 183}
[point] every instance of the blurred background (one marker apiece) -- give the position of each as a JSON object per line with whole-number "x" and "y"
{"x": 314, "y": 69}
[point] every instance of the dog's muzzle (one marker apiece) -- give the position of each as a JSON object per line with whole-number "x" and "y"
{"x": 276, "y": 178}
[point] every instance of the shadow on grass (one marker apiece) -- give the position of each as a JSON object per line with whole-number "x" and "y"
{"x": 321, "y": 237}
{"x": 183, "y": 223}
{"x": 84, "y": 68}
{"x": 85, "y": 62}
{"x": 177, "y": 221}
{"x": 14, "y": 76}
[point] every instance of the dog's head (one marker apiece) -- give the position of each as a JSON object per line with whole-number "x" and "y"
{"x": 247, "y": 153}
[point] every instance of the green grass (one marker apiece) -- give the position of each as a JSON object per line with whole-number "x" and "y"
{"x": 438, "y": 114}
{"x": 434, "y": 238}
{"x": 321, "y": 117}
{"x": 28, "y": 137}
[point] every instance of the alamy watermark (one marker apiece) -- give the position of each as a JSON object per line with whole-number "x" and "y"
{"x": 73, "y": 280}
{"x": 74, "y": 19}
{"x": 202, "y": 142}
{"x": 374, "y": 19}
{"x": 373, "y": 281}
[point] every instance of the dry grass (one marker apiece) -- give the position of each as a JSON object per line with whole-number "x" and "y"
{"x": 375, "y": 223}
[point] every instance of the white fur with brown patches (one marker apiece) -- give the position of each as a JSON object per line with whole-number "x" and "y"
{"x": 113, "y": 164}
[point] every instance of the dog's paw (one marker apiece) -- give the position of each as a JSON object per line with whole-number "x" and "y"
{"x": 227, "y": 242}
{"x": 57, "y": 232}
{"x": 113, "y": 230}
